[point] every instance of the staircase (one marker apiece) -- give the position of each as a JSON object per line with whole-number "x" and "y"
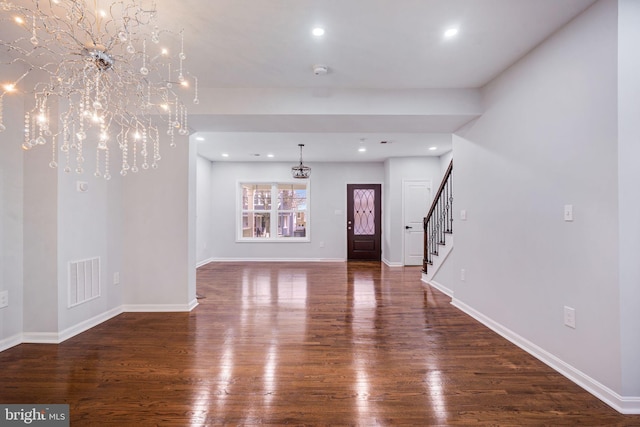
{"x": 438, "y": 228}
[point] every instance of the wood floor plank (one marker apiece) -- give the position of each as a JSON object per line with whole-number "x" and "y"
{"x": 353, "y": 343}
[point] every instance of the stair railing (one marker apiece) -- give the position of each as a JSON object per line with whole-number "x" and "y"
{"x": 439, "y": 219}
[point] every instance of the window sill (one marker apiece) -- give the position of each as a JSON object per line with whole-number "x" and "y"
{"x": 274, "y": 240}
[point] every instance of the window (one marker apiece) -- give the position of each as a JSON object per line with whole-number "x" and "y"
{"x": 274, "y": 211}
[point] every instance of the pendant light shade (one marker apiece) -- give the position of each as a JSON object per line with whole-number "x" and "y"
{"x": 301, "y": 171}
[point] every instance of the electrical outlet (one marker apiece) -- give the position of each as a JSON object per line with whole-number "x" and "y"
{"x": 4, "y": 299}
{"x": 322, "y": 244}
{"x": 116, "y": 278}
{"x": 463, "y": 274}
{"x": 570, "y": 317}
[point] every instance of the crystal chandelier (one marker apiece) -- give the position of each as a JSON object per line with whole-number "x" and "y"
{"x": 301, "y": 171}
{"x": 115, "y": 76}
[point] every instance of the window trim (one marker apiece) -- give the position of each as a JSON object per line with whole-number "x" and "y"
{"x": 274, "y": 211}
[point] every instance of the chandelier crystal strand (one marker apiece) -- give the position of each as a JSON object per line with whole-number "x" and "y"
{"x": 107, "y": 175}
{"x": 79, "y": 157}
{"x": 67, "y": 150}
{"x": 97, "y": 173}
{"x": 143, "y": 151}
{"x": 134, "y": 149}
{"x": 183, "y": 115}
{"x": 156, "y": 148}
{"x": 124, "y": 147}
{"x": 98, "y": 64}
{"x": 195, "y": 91}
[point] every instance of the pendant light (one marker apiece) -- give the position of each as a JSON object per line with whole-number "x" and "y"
{"x": 301, "y": 171}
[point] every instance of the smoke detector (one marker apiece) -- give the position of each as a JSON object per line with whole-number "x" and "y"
{"x": 320, "y": 70}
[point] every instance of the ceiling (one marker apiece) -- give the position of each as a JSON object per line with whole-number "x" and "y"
{"x": 370, "y": 46}
{"x": 368, "y": 43}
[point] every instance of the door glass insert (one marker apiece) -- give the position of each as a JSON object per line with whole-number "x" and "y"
{"x": 364, "y": 213}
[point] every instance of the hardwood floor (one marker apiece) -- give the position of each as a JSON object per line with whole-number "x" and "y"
{"x": 303, "y": 344}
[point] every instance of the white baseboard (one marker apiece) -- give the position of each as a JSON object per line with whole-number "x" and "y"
{"x": 392, "y": 264}
{"x": 11, "y": 341}
{"x": 278, "y": 260}
{"x": 159, "y": 308}
{"x": 623, "y": 404}
{"x": 88, "y": 324}
{"x": 448, "y": 292}
{"x": 58, "y": 337}
{"x": 41, "y": 338}
{"x": 204, "y": 262}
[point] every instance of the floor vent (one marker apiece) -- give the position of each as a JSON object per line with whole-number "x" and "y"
{"x": 84, "y": 281}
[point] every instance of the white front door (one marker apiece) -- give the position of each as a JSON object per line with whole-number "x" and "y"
{"x": 416, "y": 197}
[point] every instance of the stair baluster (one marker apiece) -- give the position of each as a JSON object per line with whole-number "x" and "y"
{"x": 439, "y": 219}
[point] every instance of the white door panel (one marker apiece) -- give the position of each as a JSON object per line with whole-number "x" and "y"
{"x": 416, "y": 201}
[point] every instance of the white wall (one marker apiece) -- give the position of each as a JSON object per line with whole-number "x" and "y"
{"x": 548, "y": 138}
{"x": 11, "y": 221}
{"x": 204, "y": 200}
{"x": 328, "y": 186}
{"x": 157, "y": 272}
{"x": 629, "y": 196}
{"x": 398, "y": 170}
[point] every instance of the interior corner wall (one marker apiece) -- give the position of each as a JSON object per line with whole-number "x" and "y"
{"x": 629, "y": 196}
{"x": 398, "y": 170}
{"x": 11, "y": 220}
{"x": 204, "y": 201}
{"x": 547, "y": 138}
{"x": 155, "y": 259}
{"x": 328, "y": 189}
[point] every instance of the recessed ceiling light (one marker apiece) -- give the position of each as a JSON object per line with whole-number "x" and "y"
{"x": 199, "y": 138}
{"x": 451, "y": 32}
{"x": 318, "y": 31}
{"x": 362, "y": 149}
{"x": 433, "y": 148}
{"x": 270, "y": 156}
{"x": 225, "y": 155}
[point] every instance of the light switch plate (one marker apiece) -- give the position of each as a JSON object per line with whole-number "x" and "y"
{"x": 570, "y": 317}
{"x": 568, "y": 212}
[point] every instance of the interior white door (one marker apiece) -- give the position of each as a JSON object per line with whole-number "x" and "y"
{"x": 416, "y": 197}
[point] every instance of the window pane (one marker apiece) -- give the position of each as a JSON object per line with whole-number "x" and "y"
{"x": 256, "y": 224}
{"x": 292, "y": 197}
{"x": 292, "y": 224}
{"x": 256, "y": 196}
{"x": 364, "y": 212}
